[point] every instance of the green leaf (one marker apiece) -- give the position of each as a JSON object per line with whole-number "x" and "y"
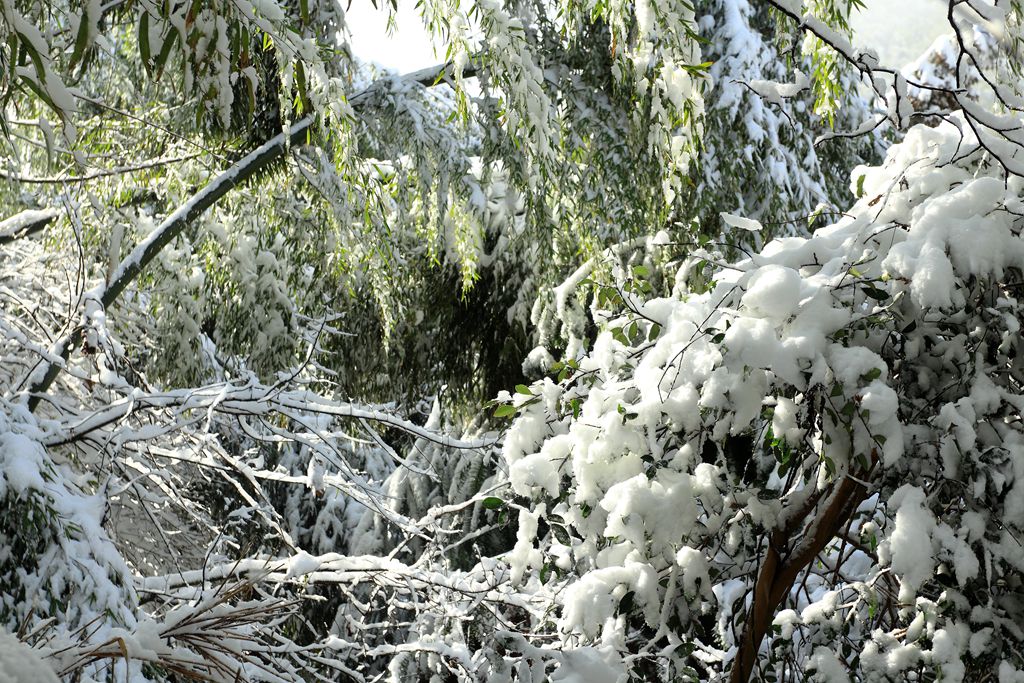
{"x": 783, "y": 468}
{"x": 302, "y": 95}
{"x": 523, "y": 389}
{"x": 641, "y": 271}
{"x": 492, "y": 503}
{"x": 876, "y": 293}
{"x": 81, "y": 41}
{"x": 37, "y": 60}
{"x": 165, "y": 52}
{"x": 872, "y": 374}
{"x": 654, "y": 332}
{"x": 144, "y": 49}
{"x": 42, "y": 94}
{"x": 506, "y": 410}
{"x": 830, "y": 466}
{"x": 860, "y": 186}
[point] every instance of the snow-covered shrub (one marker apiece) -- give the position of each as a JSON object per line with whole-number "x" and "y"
{"x": 812, "y": 468}
{"x": 58, "y": 562}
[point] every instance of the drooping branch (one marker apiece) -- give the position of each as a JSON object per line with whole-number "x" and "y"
{"x": 144, "y": 253}
{"x": 250, "y": 164}
{"x": 1001, "y": 137}
{"x": 249, "y": 399}
{"x": 94, "y": 175}
{"x": 147, "y": 250}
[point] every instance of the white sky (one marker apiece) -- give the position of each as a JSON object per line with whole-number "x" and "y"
{"x": 900, "y": 30}
{"x": 408, "y": 49}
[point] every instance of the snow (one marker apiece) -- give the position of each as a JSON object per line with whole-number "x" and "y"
{"x": 1008, "y": 673}
{"x": 774, "y": 292}
{"x": 741, "y": 222}
{"x": 10, "y": 227}
{"x": 19, "y": 663}
{"x": 21, "y": 463}
{"x": 589, "y": 603}
{"x": 775, "y": 93}
{"x": 787, "y": 620}
{"x": 541, "y": 470}
{"x": 302, "y": 563}
{"x": 785, "y": 423}
{"x": 590, "y": 665}
{"x": 524, "y": 555}
{"x": 827, "y": 667}
{"x": 913, "y": 558}
{"x": 805, "y": 319}
{"x": 882, "y": 349}
{"x": 694, "y": 567}
{"x": 948, "y": 644}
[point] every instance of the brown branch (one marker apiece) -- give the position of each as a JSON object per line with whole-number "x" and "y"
{"x": 93, "y": 175}
{"x": 782, "y": 565}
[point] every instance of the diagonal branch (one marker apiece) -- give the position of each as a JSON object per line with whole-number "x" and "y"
{"x": 782, "y": 566}
{"x": 140, "y": 257}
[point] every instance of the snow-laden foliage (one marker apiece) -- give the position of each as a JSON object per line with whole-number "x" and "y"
{"x": 227, "y": 55}
{"x": 238, "y": 272}
{"x": 821, "y": 451}
{"x": 759, "y": 159}
{"x": 578, "y": 132}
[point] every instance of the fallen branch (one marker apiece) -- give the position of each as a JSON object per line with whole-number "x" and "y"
{"x": 130, "y": 268}
{"x": 25, "y": 223}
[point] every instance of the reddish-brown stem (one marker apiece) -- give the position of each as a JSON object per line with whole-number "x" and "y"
{"x": 782, "y": 565}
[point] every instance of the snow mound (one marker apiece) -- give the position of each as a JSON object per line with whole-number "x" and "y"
{"x": 19, "y": 663}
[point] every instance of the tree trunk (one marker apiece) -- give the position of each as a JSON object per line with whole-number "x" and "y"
{"x": 782, "y": 565}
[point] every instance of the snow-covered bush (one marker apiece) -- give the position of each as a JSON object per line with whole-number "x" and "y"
{"x": 736, "y": 464}
{"x": 812, "y": 468}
